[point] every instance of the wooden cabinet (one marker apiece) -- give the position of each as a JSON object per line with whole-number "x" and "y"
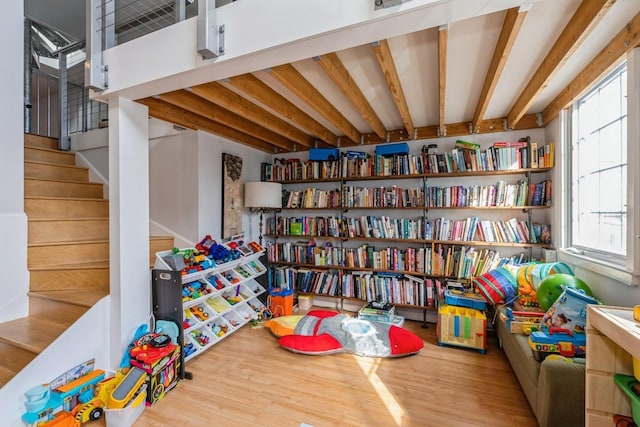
{"x": 613, "y": 339}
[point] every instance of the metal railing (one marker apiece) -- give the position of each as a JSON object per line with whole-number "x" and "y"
{"x": 57, "y": 100}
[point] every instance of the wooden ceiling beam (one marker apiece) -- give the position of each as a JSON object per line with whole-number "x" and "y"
{"x": 627, "y": 39}
{"x": 528, "y": 121}
{"x": 226, "y": 98}
{"x": 388, "y": 67}
{"x": 443, "y": 38}
{"x": 583, "y": 21}
{"x": 260, "y": 91}
{"x": 338, "y": 73}
{"x": 181, "y": 117}
{"x": 513, "y": 20}
{"x": 296, "y": 83}
{"x": 204, "y": 108}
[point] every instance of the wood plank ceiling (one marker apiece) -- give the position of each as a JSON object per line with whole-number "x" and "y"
{"x": 514, "y": 69}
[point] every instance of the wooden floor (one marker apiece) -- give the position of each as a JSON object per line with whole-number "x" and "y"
{"x": 248, "y": 380}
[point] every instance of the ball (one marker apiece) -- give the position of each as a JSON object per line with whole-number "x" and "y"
{"x": 551, "y": 287}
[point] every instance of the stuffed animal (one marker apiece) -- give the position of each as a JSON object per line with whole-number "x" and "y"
{"x": 327, "y": 332}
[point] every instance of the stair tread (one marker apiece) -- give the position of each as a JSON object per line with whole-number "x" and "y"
{"x": 84, "y": 218}
{"x": 93, "y": 199}
{"x": 64, "y": 181}
{"x": 38, "y": 162}
{"x": 6, "y": 375}
{"x": 30, "y": 333}
{"x": 76, "y": 266}
{"x": 84, "y": 298}
{"x": 71, "y": 242}
{"x": 50, "y": 150}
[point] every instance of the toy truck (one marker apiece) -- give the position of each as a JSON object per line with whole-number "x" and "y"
{"x": 557, "y": 341}
{"x": 70, "y": 404}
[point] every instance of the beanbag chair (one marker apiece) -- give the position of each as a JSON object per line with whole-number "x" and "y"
{"x": 328, "y": 332}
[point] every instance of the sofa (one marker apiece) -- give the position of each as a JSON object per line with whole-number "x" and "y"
{"x": 555, "y": 389}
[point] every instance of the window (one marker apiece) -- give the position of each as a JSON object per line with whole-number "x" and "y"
{"x": 598, "y": 206}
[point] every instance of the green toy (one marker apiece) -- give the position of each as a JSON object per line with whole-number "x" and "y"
{"x": 550, "y": 288}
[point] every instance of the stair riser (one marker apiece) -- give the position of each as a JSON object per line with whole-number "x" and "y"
{"x": 68, "y": 230}
{"x": 45, "y": 171}
{"x": 42, "y": 256}
{"x": 59, "y": 157}
{"x": 38, "y": 188}
{"x": 55, "y": 311}
{"x": 14, "y": 358}
{"x": 159, "y": 245}
{"x": 37, "y": 141}
{"x": 65, "y": 280}
{"x": 45, "y": 208}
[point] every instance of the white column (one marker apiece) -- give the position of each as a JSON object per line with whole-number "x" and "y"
{"x": 129, "y": 222}
{"x": 13, "y": 222}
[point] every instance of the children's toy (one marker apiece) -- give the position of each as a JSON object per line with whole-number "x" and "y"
{"x": 68, "y": 404}
{"x": 328, "y": 332}
{"x": 551, "y": 287}
{"x": 462, "y": 327}
{"x": 126, "y": 387}
{"x": 162, "y": 367}
{"x": 557, "y": 341}
{"x": 464, "y": 299}
{"x": 523, "y": 322}
{"x": 631, "y": 387}
{"x": 569, "y": 311}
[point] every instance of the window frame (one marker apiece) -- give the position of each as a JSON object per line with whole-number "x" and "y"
{"x": 625, "y": 269}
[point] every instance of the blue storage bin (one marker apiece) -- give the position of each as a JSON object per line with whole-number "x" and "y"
{"x": 392, "y": 149}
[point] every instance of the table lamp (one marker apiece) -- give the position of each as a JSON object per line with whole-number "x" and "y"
{"x": 262, "y": 197}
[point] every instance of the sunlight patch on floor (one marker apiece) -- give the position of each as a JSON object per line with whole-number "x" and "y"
{"x": 369, "y": 366}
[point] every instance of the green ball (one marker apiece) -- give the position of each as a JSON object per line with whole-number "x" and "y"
{"x": 551, "y": 287}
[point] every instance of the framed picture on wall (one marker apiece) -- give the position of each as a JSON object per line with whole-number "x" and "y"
{"x": 232, "y": 195}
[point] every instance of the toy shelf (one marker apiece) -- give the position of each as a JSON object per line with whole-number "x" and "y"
{"x": 219, "y": 300}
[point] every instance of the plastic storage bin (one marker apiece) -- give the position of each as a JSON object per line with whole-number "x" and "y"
{"x": 128, "y": 415}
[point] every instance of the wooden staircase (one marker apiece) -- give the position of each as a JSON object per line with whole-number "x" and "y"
{"x": 67, "y": 255}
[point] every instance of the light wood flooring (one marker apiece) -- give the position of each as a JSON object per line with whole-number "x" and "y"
{"x": 248, "y": 380}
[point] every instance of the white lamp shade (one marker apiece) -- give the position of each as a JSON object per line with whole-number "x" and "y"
{"x": 262, "y": 194}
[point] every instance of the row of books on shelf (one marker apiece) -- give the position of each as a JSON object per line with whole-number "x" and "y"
{"x": 463, "y": 157}
{"x": 390, "y": 288}
{"x": 500, "y": 194}
{"x": 442, "y": 260}
{"x": 369, "y": 226}
{"x": 470, "y": 229}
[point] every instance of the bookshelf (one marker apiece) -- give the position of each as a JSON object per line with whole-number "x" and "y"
{"x": 397, "y": 228}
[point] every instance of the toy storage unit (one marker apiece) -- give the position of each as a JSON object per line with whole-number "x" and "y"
{"x": 462, "y": 327}
{"x": 218, "y": 301}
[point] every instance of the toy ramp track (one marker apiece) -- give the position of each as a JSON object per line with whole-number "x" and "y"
{"x": 126, "y": 390}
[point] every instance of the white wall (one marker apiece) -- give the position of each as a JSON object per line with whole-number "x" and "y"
{"x": 173, "y": 183}
{"x": 13, "y": 222}
{"x": 607, "y": 289}
{"x": 186, "y": 183}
